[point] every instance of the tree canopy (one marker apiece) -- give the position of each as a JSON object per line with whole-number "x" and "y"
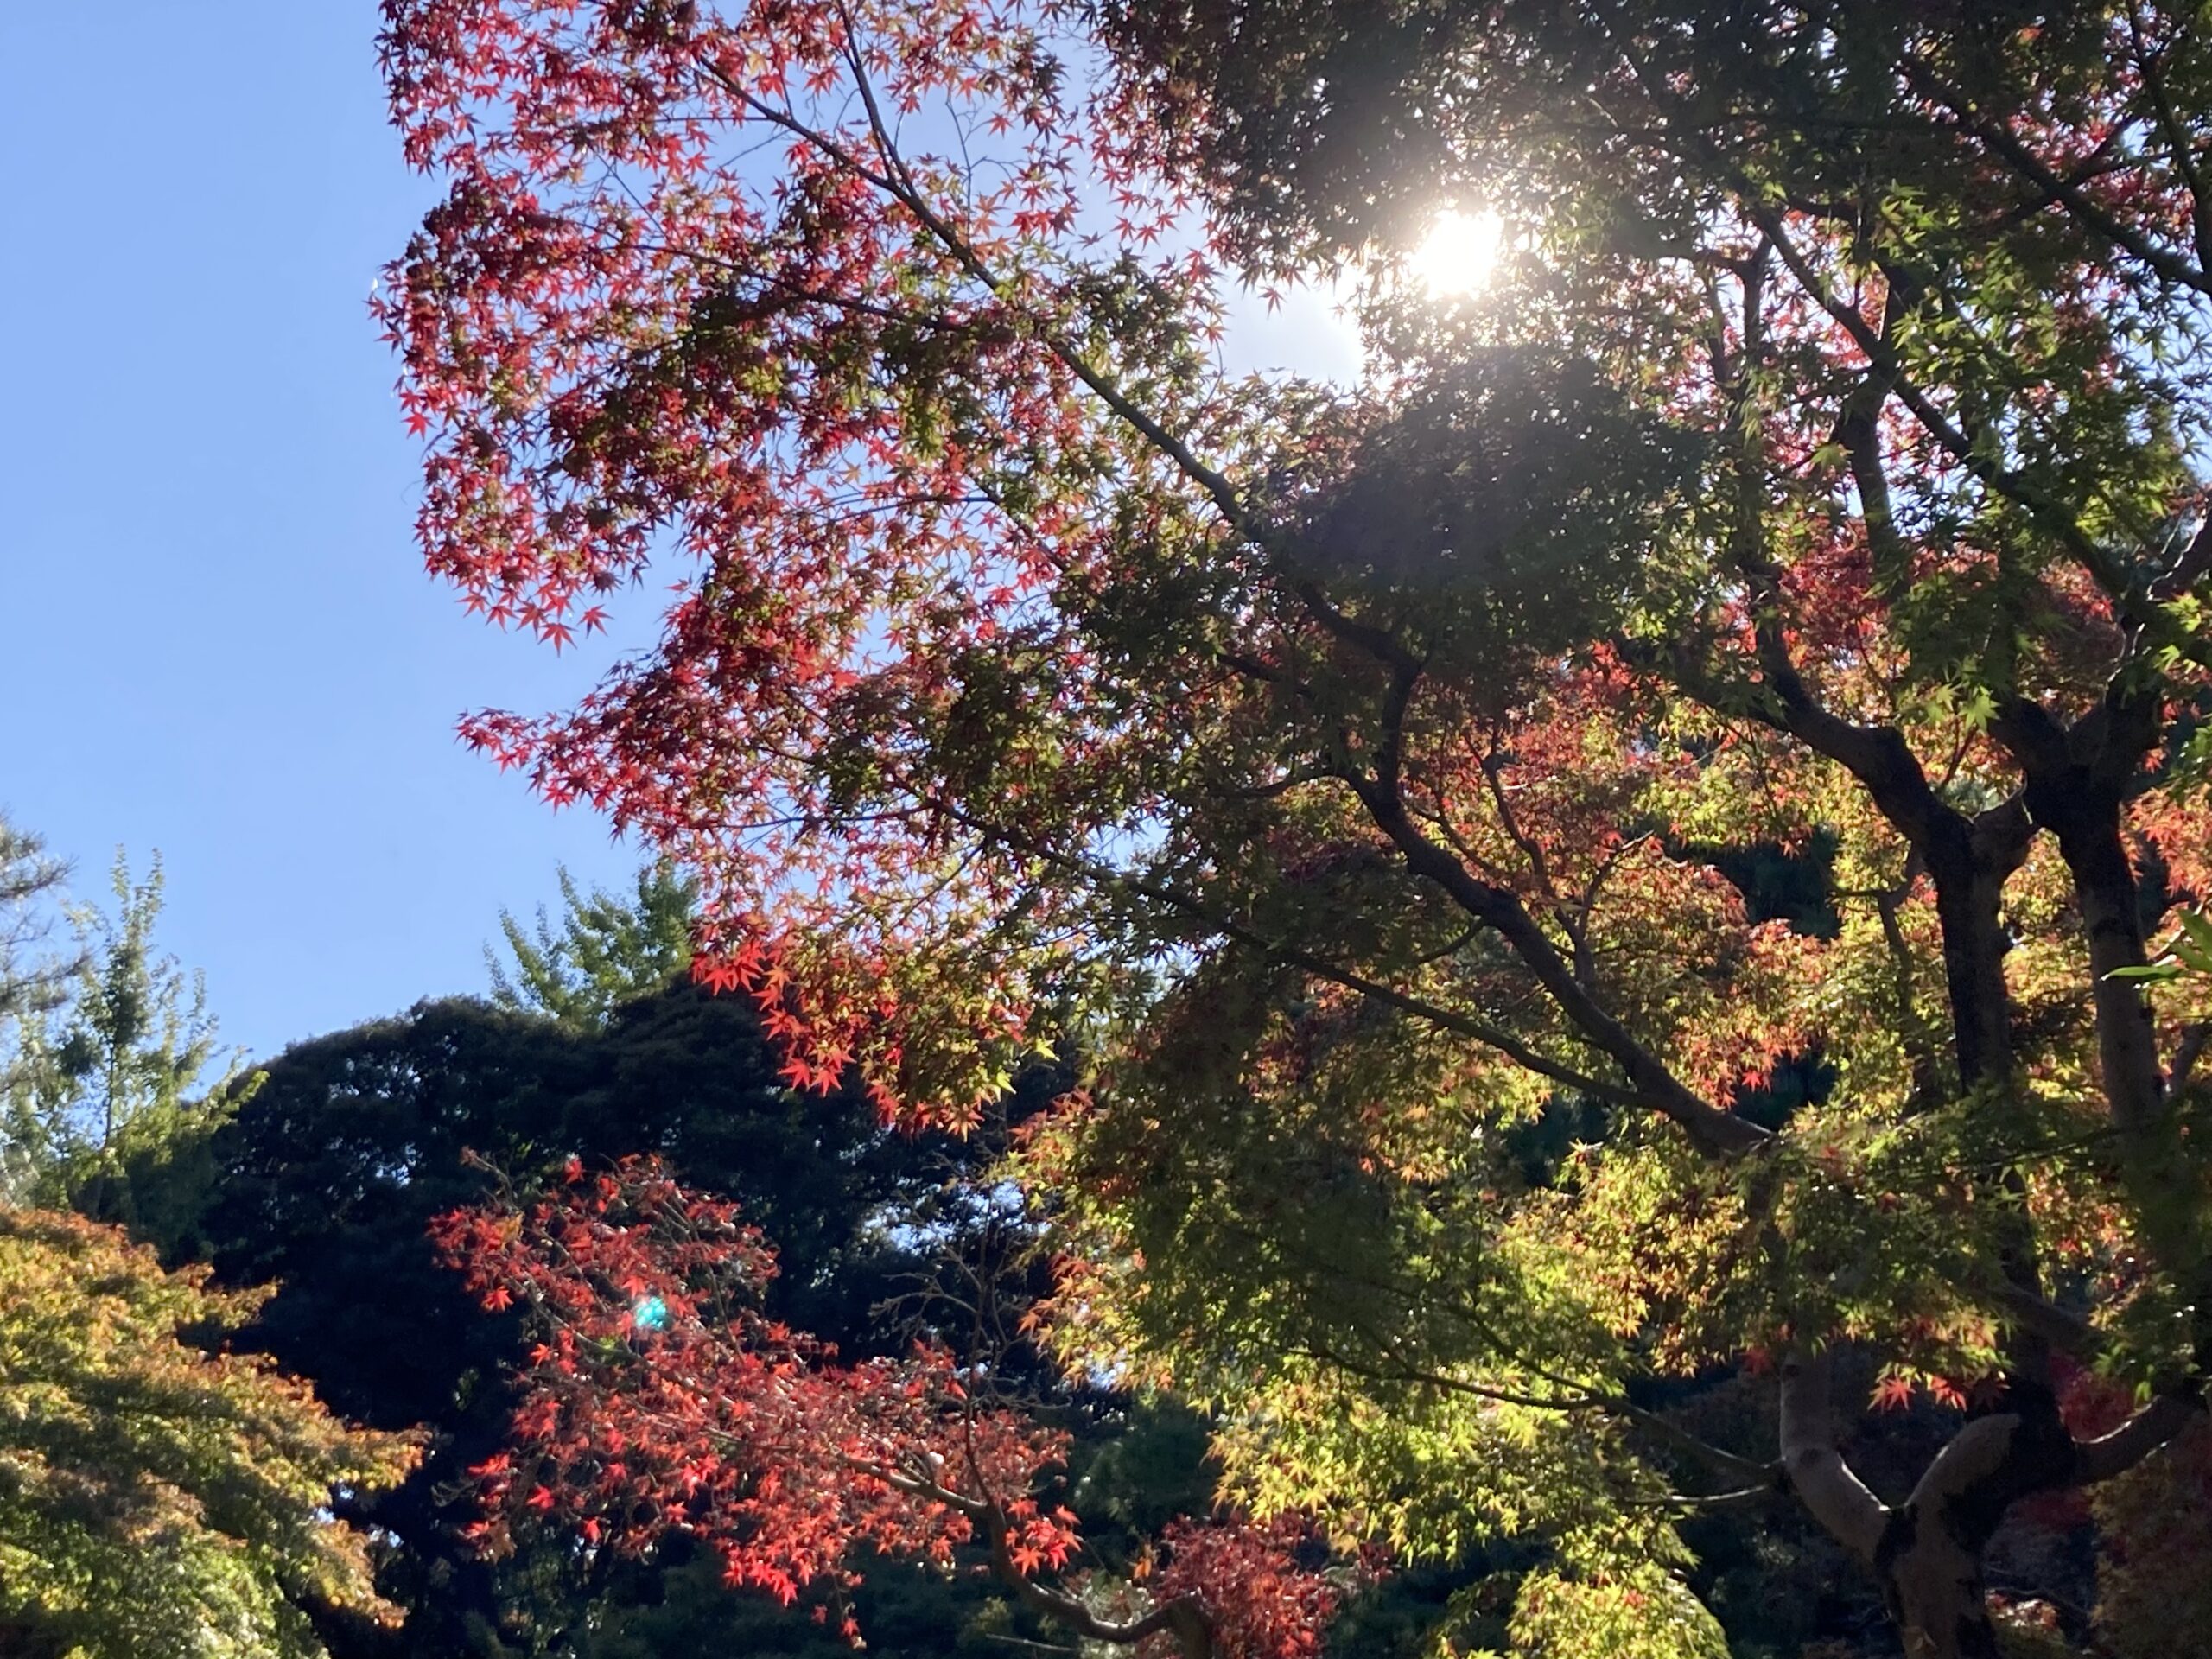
{"x": 325, "y": 1183}
{"x": 608, "y": 950}
{"x": 661, "y": 1400}
{"x": 121, "y": 1081}
{"x": 156, "y": 1498}
{"x": 1361, "y": 773}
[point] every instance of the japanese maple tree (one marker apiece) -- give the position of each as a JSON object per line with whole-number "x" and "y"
{"x": 661, "y": 1399}
{"x": 1359, "y": 772}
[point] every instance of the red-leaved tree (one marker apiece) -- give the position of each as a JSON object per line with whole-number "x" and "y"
{"x": 657, "y": 1399}
{"x": 1377, "y": 780}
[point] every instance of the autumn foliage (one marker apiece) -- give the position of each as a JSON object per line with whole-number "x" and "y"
{"x": 658, "y": 1399}
{"x": 1366, "y": 775}
{"x": 160, "y": 1495}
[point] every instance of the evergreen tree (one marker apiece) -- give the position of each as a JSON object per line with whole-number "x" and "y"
{"x": 120, "y": 1081}
{"x": 607, "y": 950}
{"x": 34, "y": 982}
{"x": 30, "y": 979}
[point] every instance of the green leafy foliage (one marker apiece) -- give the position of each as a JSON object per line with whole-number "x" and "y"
{"x": 1374, "y": 778}
{"x": 2189, "y": 952}
{"x": 34, "y": 983}
{"x": 608, "y": 949}
{"x": 30, "y": 977}
{"x": 116, "y": 1082}
{"x": 158, "y": 1500}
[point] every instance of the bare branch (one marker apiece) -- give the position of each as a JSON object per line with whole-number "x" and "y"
{"x": 1182, "y": 1617}
{"x": 1816, "y": 1470}
{"x": 2061, "y": 1329}
{"x": 2150, "y": 1428}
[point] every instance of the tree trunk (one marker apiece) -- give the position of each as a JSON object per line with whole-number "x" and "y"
{"x": 1928, "y": 1558}
{"x": 1931, "y": 1579}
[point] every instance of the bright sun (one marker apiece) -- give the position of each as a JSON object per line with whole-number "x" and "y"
{"x": 1456, "y": 256}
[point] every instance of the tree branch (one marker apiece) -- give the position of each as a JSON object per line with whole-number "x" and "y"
{"x": 1715, "y": 1133}
{"x": 1815, "y": 1469}
{"x": 2150, "y": 64}
{"x": 2150, "y": 1428}
{"x": 1182, "y": 1617}
{"x": 1999, "y": 139}
{"x": 2076, "y": 778}
{"x": 2085, "y": 551}
{"x": 2052, "y": 1323}
{"x": 1445, "y": 1019}
{"x": 1968, "y": 859}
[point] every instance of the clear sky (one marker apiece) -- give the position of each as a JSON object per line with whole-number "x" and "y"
{"x": 215, "y": 636}
{"x": 216, "y": 639}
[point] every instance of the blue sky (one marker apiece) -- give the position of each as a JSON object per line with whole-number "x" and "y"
{"x": 216, "y": 639}
{"x": 215, "y": 636}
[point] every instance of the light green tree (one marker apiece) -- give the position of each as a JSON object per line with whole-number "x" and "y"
{"x": 117, "y": 1081}
{"x": 158, "y": 1500}
{"x": 607, "y": 949}
{"x": 31, "y": 975}
{"x": 34, "y": 982}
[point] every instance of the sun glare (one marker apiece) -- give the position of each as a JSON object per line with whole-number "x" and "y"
{"x": 1456, "y": 257}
